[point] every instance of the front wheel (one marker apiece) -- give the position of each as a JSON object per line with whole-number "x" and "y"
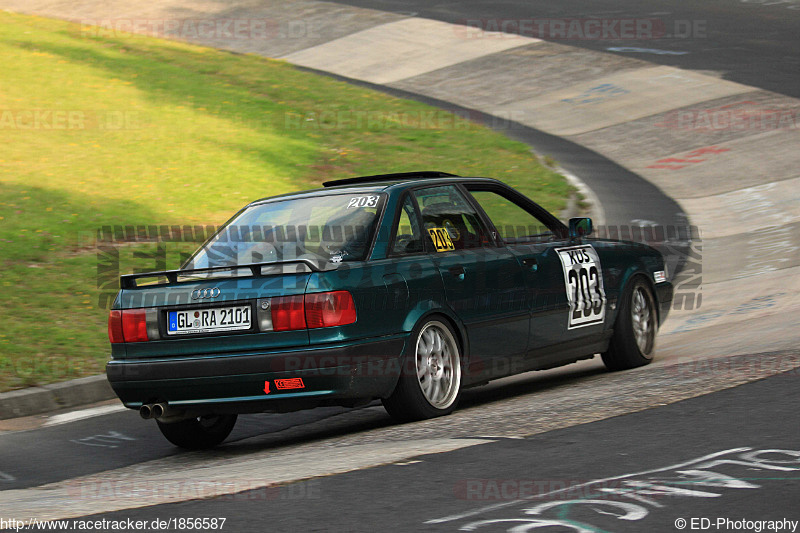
{"x": 430, "y": 382}
{"x": 634, "y": 338}
{"x": 200, "y": 432}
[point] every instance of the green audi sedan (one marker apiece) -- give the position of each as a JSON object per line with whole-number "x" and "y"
{"x": 405, "y": 287}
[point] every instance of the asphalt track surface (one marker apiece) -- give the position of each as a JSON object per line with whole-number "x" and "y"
{"x": 753, "y": 42}
{"x": 109, "y": 440}
{"x": 564, "y": 475}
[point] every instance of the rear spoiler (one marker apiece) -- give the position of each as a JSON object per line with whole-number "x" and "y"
{"x": 128, "y": 281}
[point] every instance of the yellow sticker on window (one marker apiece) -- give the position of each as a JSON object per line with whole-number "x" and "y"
{"x": 441, "y": 239}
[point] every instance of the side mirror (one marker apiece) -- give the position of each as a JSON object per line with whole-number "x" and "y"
{"x": 580, "y": 227}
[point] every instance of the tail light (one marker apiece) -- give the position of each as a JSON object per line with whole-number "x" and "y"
{"x": 115, "y": 327}
{"x": 288, "y": 313}
{"x": 326, "y": 309}
{"x": 132, "y": 325}
{"x": 318, "y": 310}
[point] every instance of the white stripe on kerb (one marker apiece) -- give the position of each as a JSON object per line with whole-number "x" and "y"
{"x": 403, "y": 49}
{"x": 72, "y": 416}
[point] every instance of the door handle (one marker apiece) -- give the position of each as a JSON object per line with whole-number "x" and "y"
{"x": 457, "y": 272}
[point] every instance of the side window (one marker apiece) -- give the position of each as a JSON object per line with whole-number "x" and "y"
{"x": 513, "y": 222}
{"x": 448, "y": 219}
{"x": 407, "y": 234}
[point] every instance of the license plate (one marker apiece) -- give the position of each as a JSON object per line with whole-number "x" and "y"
{"x": 208, "y": 320}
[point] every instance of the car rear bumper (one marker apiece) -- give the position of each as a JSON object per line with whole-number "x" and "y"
{"x": 295, "y": 379}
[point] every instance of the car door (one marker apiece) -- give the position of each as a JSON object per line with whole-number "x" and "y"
{"x": 481, "y": 280}
{"x": 412, "y": 281}
{"x": 540, "y": 244}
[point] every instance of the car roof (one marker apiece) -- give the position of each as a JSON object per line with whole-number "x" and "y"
{"x": 377, "y": 184}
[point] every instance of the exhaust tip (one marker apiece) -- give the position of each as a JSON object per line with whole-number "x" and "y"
{"x": 146, "y": 411}
{"x": 158, "y": 410}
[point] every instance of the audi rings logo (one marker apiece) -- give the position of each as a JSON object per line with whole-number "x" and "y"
{"x": 199, "y": 294}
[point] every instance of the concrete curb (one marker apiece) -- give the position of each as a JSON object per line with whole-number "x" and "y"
{"x": 596, "y": 210}
{"x": 37, "y": 400}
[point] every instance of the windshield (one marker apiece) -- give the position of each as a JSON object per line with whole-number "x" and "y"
{"x": 329, "y": 228}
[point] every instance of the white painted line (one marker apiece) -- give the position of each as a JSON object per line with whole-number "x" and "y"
{"x": 83, "y": 414}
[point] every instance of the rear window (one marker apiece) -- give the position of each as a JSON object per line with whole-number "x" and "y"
{"x": 329, "y": 228}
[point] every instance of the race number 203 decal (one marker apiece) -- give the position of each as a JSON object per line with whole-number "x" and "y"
{"x": 584, "y": 278}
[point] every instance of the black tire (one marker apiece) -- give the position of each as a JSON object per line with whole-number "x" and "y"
{"x": 198, "y": 433}
{"x": 415, "y": 397}
{"x": 633, "y": 342}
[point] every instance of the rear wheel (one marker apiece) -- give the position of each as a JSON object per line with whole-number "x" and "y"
{"x": 634, "y": 338}
{"x": 200, "y": 432}
{"x": 430, "y": 382}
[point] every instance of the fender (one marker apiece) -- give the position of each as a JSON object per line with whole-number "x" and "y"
{"x": 632, "y": 272}
{"x": 426, "y": 308}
